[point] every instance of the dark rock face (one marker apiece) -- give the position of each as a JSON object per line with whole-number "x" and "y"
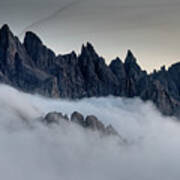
{"x": 34, "y": 68}
{"x": 54, "y": 117}
{"x": 42, "y": 57}
{"x": 162, "y": 98}
{"x": 93, "y": 123}
{"x": 19, "y": 70}
{"x": 174, "y": 73}
{"x": 90, "y": 122}
{"x": 77, "y": 118}
{"x": 117, "y": 67}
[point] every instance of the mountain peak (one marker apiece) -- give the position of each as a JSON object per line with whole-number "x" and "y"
{"x": 89, "y": 46}
{"x": 129, "y": 52}
{"x": 163, "y": 68}
{"x": 30, "y": 36}
{"x": 130, "y": 57}
{"x": 10, "y": 46}
{"x": 88, "y": 49}
{"x": 32, "y": 67}
{"x": 5, "y": 27}
{"x": 71, "y": 55}
{"x": 131, "y": 66}
{"x": 5, "y": 33}
{"x": 116, "y": 62}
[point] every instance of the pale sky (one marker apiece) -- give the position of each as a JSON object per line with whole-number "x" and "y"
{"x": 150, "y": 28}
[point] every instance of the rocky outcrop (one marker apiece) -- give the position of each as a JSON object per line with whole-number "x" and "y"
{"x": 78, "y": 118}
{"x": 98, "y": 77}
{"x": 54, "y": 118}
{"x": 18, "y": 69}
{"x": 42, "y": 57}
{"x": 90, "y": 122}
{"x": 34, "y": 68}
{"x": 162, "y": 98}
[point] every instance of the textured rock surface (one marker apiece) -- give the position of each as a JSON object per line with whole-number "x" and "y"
{"x": 54, "y": 117}
{"x": 78, "y": 118}
{"x": 32, "y": 67}
{"x": 90, "y": 122}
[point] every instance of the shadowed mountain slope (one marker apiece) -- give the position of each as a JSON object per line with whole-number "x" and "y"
{"x": 32, "y": 67}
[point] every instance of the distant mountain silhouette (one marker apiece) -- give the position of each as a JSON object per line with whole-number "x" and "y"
{"x": 32, "y": 67}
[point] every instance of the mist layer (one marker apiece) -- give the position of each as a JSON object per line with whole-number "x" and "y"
{"x": 31, "y": 150}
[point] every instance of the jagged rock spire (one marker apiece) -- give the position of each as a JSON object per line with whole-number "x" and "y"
{"x": 33, "y": 67}
{"x": 9, "y": 45}
{"x": 5, "y": 28}
{"x": 88, "y": 50}
{"x": 131, "y": 65}
{"x": 40, "y": 54}
{"x": 4, "y": 36}
{"x": 30, "y": 36}
{"x": 130, "y": 59}
{"x": 118, "y": 68}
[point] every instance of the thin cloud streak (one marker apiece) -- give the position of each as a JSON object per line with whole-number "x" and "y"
{"x": 52, "y": 16}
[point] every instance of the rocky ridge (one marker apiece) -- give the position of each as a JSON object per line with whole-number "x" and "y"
{"x": 32, "y": 67}
{"x": 90, "y": 122}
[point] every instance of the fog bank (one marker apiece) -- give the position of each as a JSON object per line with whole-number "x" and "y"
{"x": 30, "y": 150}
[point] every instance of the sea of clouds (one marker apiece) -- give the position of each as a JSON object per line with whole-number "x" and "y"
{"x": 29, "y": 150}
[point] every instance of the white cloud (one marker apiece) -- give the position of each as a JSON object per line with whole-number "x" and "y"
{"x": 30, "y": 150}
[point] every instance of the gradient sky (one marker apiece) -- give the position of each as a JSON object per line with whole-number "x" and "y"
{"x": 150, "y": 28}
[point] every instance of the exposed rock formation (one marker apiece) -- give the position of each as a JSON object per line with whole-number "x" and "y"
{"x": 90, "y": 122}
{"x": 54, "y": 117}
{"x": 78, "y": 118}
{"x": 18, "y": 69}
{"x": 34, "y": 68}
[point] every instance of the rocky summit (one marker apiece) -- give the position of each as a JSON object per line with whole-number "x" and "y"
{"x": 90, "y": 122}
{"x": 32, "y": 67}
